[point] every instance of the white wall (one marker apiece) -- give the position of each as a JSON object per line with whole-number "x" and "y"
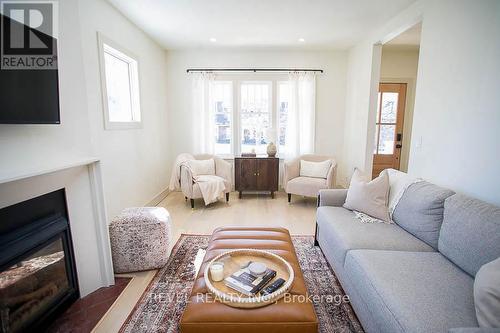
{"x": 28, "y": 147}
{"x": 456, "y": 114}
{"x": 457, "y": 107}
{"x": 400, "y": 65}
{"x": 361, "y": 94}
{"x": 330, "y": 89}
{"x": 134, "y": 161}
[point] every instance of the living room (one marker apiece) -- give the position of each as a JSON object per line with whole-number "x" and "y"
{"x": 349, "y": 147}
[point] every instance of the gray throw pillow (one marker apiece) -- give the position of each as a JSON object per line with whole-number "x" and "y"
{"x": 487, "y": 294}
{"x": 420, "y": 211}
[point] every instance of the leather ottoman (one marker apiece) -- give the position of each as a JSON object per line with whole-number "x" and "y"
{"x": 201, "y": 315}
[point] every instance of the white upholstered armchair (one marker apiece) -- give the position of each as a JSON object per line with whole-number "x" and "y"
{"x": 308, "y": 179}
{"x": 191, "y": 190}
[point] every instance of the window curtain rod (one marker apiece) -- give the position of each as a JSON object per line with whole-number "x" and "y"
{"x": 190, "y": 70}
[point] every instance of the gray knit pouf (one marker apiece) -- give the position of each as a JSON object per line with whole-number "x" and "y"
{"x": 140, "y": 238}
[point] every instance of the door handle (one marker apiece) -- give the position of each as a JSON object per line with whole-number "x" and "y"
{"x": 399, "y": 146}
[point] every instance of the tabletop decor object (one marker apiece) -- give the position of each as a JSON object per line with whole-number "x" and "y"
{"x": 233, "y": 260}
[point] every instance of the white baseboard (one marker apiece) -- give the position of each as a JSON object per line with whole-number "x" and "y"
{"x": 158, "y": 198}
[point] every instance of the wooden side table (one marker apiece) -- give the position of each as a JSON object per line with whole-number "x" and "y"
{"x": 256, "y": 174}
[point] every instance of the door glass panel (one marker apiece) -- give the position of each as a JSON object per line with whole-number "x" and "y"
{"x": 386, "y": 139}
{"x": 389, "y": 107}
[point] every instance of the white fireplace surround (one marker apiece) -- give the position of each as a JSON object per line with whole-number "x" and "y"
{"x": 81, "y": 179}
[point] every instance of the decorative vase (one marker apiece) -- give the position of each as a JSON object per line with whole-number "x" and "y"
{"x": 271, "y": 149}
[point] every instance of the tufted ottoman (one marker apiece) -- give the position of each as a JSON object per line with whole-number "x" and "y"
{"x": 280, "y": 317}
{"x": 140, "y": 238}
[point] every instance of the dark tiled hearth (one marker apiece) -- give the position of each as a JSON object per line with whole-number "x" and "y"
{"x": 85, "y": 313}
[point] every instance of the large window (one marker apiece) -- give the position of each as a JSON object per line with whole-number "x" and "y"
{"x": 248, "y": 114}
{"x": 120, "y": 86}
{"x": 255, "y": 116}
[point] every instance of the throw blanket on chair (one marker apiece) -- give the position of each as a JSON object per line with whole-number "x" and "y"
{"x": 175, "y": 178}
{"x": 211, "y": 187}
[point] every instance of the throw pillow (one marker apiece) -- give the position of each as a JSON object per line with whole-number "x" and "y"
{"x": 315, "y": 169}
{"x": 420, "y": 211}
{"x": 487, "y": 294}
{"x": 369, "y": 197}
{"x": 202, "y": 167}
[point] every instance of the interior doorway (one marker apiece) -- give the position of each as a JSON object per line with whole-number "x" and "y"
{"x": 396, "y": 97}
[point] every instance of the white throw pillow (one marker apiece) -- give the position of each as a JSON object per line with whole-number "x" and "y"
{"x": 398, "y": 183}
{"x": 315, "y": 169}
{"x": 202, "y": 167}
{"x": 487, "y": 294}
{"x": 369, "y": 197}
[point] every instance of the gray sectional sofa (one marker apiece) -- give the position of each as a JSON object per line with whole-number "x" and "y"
{"x": 417, "y": 274}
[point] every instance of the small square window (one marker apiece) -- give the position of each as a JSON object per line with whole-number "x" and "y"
{"x": 120, "y": 86}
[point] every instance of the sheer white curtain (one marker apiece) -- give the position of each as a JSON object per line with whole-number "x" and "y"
{"x": 301, "y": 114}
{"x": 203, "y": 127}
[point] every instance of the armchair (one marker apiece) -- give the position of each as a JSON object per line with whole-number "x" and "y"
{"x": 191, "y": 190}
{"x": 293, "y": 183}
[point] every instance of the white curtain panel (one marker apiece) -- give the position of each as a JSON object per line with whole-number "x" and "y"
{"x": 301, "y": 114}
{"x": 201, "y": 114}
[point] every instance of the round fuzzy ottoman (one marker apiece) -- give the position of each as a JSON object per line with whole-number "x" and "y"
{"x": 140, "y": 238}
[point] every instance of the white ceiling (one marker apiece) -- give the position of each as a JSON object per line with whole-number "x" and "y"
{"x": 324, "y": 24}
{"x": 408, "y": 39}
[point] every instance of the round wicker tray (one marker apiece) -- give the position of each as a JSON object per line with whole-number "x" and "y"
{"x": 232, "y": 262}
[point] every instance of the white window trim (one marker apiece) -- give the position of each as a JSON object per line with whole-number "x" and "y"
{"x": 134, "y": 89}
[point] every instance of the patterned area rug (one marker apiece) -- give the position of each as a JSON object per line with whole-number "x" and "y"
{"x": 162, "y": 304}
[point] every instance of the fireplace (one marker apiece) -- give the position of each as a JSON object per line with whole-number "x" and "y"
{"x": 38, "y": 277}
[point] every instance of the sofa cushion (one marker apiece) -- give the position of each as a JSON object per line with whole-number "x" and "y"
{"x": 420, "y": 211}
{"x": 412, "y": 291}
{"x": 306, "y": 186}
{"x": 470, "y": 234}
{"x": 343, "y": 232}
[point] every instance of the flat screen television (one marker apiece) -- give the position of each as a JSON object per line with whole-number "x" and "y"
{"x": 28, "y": 96}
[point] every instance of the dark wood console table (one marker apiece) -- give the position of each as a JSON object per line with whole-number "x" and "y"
{"x": 256, "y": 174}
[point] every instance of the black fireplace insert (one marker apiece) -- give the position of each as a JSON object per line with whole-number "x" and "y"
{"x": 38, "y": 277}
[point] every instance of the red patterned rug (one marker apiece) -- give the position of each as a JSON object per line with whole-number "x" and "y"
{"x": 162, "y": 304}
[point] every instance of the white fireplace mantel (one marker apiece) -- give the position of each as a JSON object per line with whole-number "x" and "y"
{"x": 41, "y": 168}
{"x": 81, "y": 178}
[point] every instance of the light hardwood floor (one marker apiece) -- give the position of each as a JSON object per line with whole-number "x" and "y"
{"x": 251, "y": 210}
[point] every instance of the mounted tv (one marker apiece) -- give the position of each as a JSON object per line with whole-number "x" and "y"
{"x": 29, "y": 89}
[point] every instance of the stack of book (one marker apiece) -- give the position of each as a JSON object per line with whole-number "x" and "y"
{"x": 248, "y": 283}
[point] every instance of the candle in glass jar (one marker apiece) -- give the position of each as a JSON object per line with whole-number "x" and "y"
{"x": 217, "y": 271}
